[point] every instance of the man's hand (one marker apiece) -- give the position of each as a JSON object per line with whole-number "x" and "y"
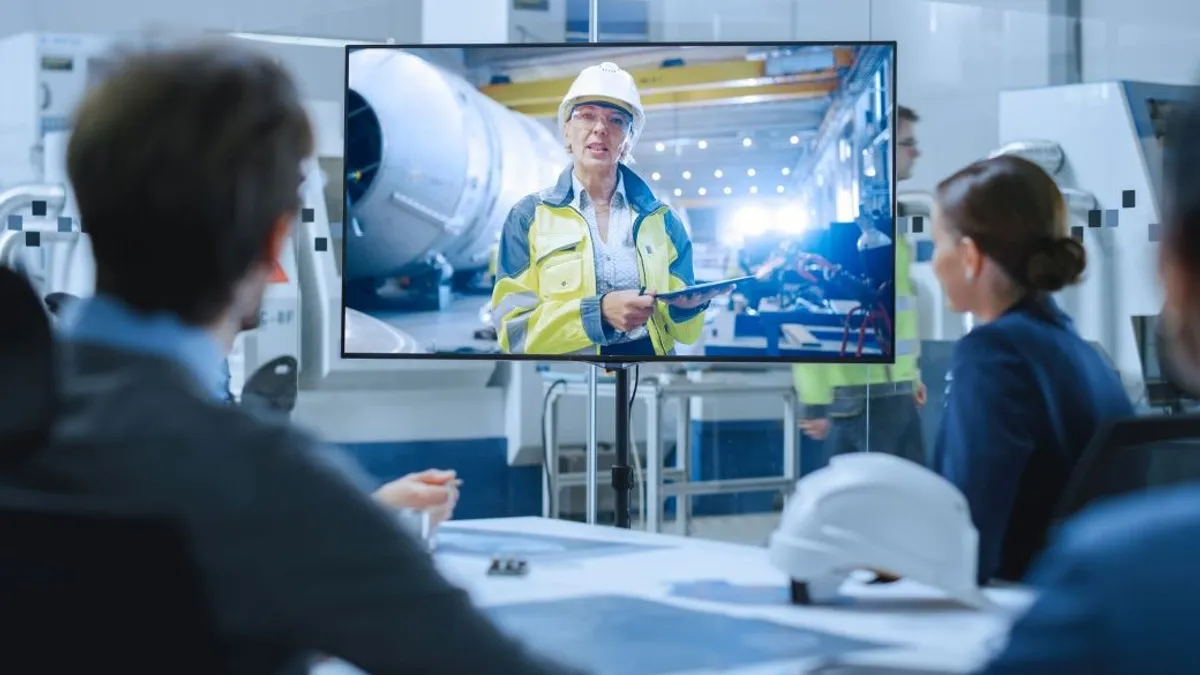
{"x": 433, "y": 490}
{"x": 627, "y": 310}
{"x": 815, "y": 429}
{"x": 920, "y": 393}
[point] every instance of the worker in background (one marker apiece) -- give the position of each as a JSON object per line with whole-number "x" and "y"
{"x": 836, "y": 396}
{"x": 580, "y": 262}
{"x": 1026, "y": 393}
{"x": 186, "y": 166}
{"x": 1118, "y": 592}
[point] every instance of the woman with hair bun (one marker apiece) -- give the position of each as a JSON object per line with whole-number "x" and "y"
{"x": 1118, "y": 591}
{"x": 1026, "y": 393}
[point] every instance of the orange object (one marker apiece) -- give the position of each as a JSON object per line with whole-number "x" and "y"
{"x": 280, "y": 276}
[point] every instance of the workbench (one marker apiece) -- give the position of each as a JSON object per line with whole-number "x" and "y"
{"x": 624, "y": 602}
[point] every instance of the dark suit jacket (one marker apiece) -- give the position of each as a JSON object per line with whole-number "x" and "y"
{"x": 1117, "y": 593}
{"x": 296, "y": 556}
{"x": 1026, "y": 395}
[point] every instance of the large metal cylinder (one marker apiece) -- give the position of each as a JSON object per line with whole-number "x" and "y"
{"x": 433, "y": 166}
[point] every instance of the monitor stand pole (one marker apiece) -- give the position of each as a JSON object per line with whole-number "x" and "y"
{"x": 622, "y": 473}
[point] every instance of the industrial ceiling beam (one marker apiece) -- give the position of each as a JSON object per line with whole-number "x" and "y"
{"x": 707, "y": 97}
{"x": 678, "y": 85}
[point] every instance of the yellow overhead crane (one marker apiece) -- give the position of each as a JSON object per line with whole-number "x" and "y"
{"x": 701, "y": 84}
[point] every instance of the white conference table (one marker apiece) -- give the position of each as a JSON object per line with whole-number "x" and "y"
{"x": 634, "y": 603}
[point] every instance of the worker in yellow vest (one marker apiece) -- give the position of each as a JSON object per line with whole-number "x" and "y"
{"x": 836, "y": 396}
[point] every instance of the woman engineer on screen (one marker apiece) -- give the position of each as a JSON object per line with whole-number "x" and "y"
{"x": 580, "y": 262}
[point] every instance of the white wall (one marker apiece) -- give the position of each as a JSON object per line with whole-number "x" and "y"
{"x": 1147, "y": 40}
{"x": 320, "y": 71}
{"x": 539, "y": 26}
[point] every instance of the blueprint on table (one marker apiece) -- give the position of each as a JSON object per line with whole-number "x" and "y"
{"x": 459, "y": 540}
{"x": 619, "y": 635}
{"x": 716, "y": 590}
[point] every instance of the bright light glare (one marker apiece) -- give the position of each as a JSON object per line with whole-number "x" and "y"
{"x": 750, "y": 221}
{"x": 791, "y": 218}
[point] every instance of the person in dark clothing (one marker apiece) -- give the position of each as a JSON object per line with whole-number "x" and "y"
{"x": 186, "y": 164}
{"x": 1117, "y": 592}
{"x": 1026, "y": 393}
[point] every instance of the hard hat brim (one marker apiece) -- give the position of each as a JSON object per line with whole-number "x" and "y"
{"x": 605, "y": 101}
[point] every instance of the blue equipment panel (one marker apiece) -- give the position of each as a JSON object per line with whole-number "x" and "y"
{"x": 618, "y": 635}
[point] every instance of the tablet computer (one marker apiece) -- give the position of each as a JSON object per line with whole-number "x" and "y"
{"x": 705, "y": 287}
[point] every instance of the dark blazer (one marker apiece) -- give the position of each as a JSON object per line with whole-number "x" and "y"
{"x": 1117, "y": 593}
{"x": 296, "y": 555}
{"x": 1026, "y": 395}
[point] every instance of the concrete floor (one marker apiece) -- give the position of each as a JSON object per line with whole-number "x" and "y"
{"x": 445, "y": 331}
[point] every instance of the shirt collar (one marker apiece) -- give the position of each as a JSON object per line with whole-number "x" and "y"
{"x": 581, "y": 198}
{"x": 108, "y": 322}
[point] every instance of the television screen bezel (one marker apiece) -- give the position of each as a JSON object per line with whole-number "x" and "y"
{"x": 615, "y": 360}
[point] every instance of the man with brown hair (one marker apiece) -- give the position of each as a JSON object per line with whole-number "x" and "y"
{"x": 186, "y": 167}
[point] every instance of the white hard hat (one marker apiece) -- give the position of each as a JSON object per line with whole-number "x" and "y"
{"x": 608, "y": 84}
{"x": 874, "y": 511}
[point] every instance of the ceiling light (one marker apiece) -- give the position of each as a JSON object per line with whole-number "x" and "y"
{"x": 660, "y": 146}
{"x": 718, "y": 173}
{"x": 795, "y": 140}
{"x": 747, "y": 142}
{"x": 702, "y": 145}
{"x": 655, "y": 176}
{"x": 687, "y": 175}
{"x": 702, "y": 192}
{"x": 728, "y": 190}
{"x": 678, "y": 192}
{"x": 750, "y": 172}
{"x": 779, "y": 189}
{"x": 753, "y": 189}
{"x": 785, "y": 171}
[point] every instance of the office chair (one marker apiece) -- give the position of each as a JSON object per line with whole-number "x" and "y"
{"x": 84, "y": 586}
{"x": 28, "y": 402}
{"x": 88, "y": 586}
{"x": 1134, "y": 455}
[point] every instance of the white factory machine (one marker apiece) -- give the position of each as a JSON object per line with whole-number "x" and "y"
{"x": 301, "y": 315}
{"x": 1103, "y": 145}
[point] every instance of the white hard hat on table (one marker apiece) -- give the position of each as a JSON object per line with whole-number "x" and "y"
{"x": 607, "y": 84}
{"x": 870, "y": 510}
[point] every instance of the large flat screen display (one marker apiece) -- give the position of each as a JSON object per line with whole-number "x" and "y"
{"x": 715, "y": 202}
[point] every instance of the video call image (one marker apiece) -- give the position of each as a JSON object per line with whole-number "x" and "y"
{"x": 712, "y": 202}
